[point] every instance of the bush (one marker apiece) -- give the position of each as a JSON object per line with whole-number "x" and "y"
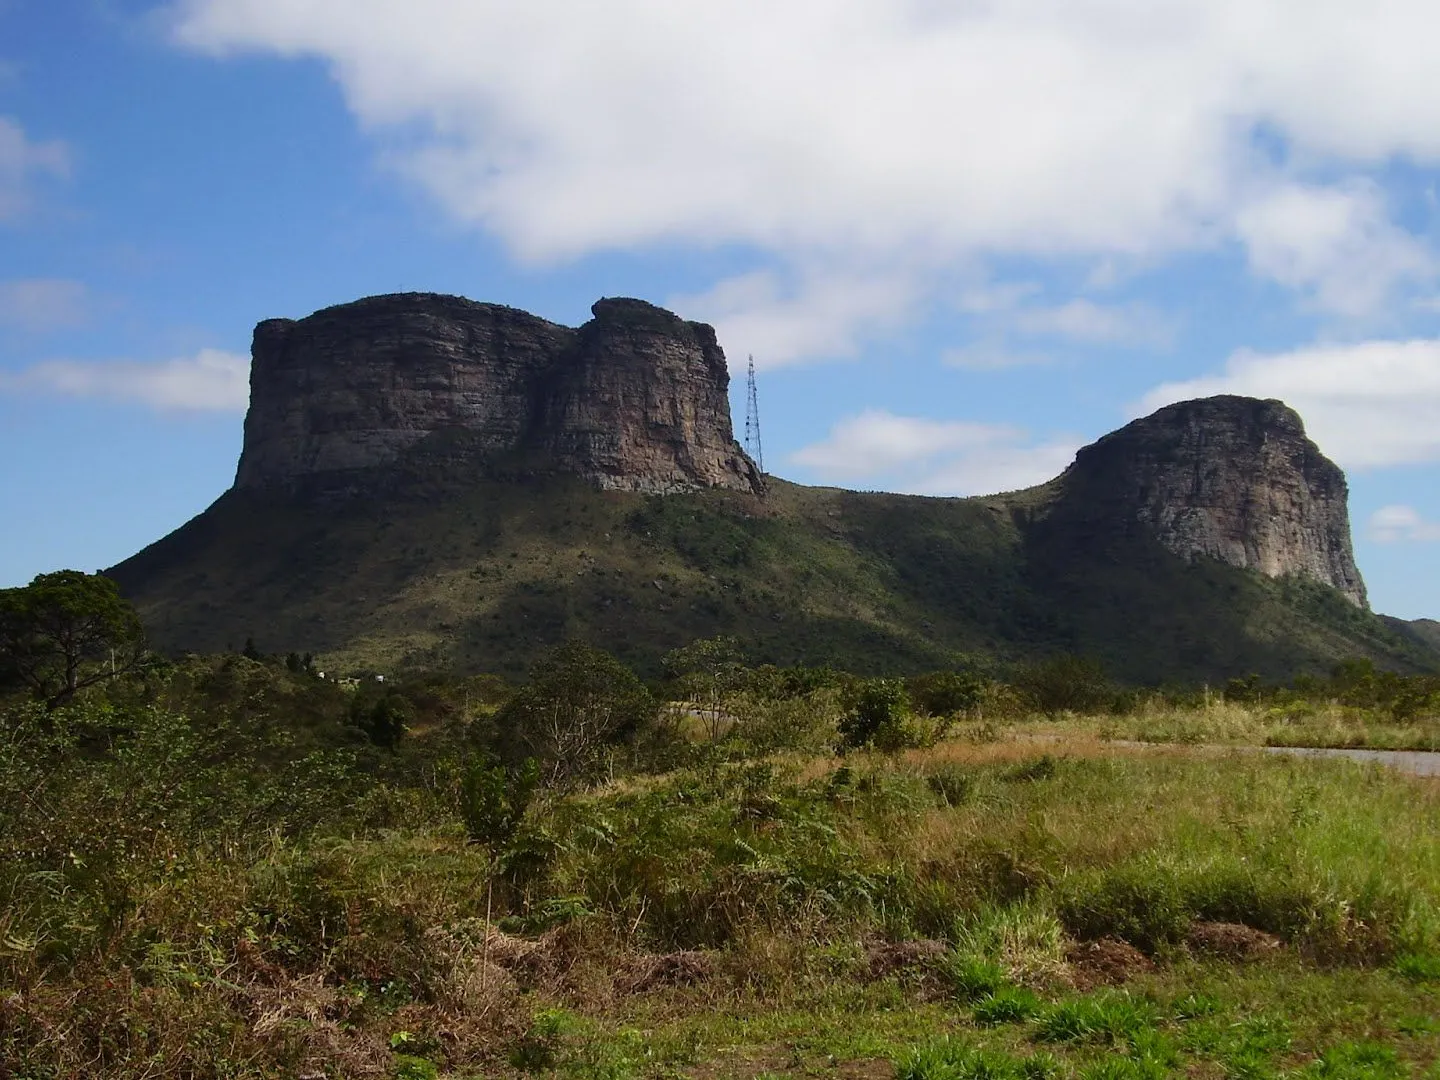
{"x": 877, "y": 715}
{"x": 952, "y": 785}
{"x": 494, "y": 798}
{"x": 1066, "y": 683}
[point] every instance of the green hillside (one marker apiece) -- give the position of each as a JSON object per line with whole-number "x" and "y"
{"x": 485, "y": 576}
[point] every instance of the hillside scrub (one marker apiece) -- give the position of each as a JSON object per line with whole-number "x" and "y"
{"x": 219, "y": 895}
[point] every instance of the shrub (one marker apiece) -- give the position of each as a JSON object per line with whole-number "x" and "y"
{"x": 948, "y": 693}
{"x": 1065, "y": 683}
{"x": 877, "y": 714}
{"x": 494, "y": 798}
{"x": 952, "y": 785}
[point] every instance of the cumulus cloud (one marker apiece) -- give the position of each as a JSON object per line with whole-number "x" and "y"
{"x": 822, "y": 313}
{"x": 22, "y": 162}
{"x": 932, "y": 457}
{"x": 1399, "y": 523}
{"x": 1084, "y": 320}
{"x": 1335, "y": 244}
{"x": 890, "y": 130}
{"x": 209, "y": 381}
{"x": 38, "y": 304}
{"x": 1366, "y": 404}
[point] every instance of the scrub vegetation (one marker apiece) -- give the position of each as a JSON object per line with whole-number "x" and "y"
{"x": 227, "y": 866}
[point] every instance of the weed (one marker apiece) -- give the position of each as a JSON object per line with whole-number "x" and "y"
{"x": 1041, "y": 768}
{"x": 1418, "y": 967}
{"x": 409, "y": 1067}
{"x": 973, "y": 978}
{"x": 1106, "y": 1017}
{"x": 1357, "y": 1061}
{"x": 952, "y": 1059}
{"x": 952, "y": 785}
{"x": 1007, "y": 1005}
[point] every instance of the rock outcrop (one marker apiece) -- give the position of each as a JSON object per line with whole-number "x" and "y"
{"x": 1232, "y": 478}
{"x": 636, "y": 399}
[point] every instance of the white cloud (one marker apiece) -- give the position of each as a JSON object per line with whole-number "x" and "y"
{"x": 1367, "y": 404}
{"x": 823, "y": 314}
{"x": 209, "y": 381}
{"x": 1087, "y": 321}
{"x": 21, "y": 163}
{"x": 1336, "y": 244}
{"x": 1399, "y": 524}
{"x": 932, "y": 457}
{"x": 900, "y": 132}
{"x": 38, "y": 304}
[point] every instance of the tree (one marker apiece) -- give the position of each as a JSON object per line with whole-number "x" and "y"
{"x": 579, "y": 702}
{"x": 709, "y": 672}
{"x": 876, "y": 714}
{"x": 384, "y": 721}
{"x": 66, "y": 631}
{"x": 1065, "y": 683}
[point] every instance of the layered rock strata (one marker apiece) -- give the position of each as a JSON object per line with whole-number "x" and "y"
{"x": 1232, "y": 478}
{"x": 636, "y": 399}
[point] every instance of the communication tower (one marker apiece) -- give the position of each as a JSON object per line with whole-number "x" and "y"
{"x": 752, "y": 420}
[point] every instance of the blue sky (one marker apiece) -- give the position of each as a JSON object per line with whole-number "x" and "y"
{"x": 960, "y": 238}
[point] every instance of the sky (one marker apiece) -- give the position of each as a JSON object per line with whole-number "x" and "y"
{"x": 961, "y": 238}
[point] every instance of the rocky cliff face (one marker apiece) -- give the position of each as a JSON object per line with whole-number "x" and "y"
{"x": 1232, "y": 478}
{"x": 636, "y": 399}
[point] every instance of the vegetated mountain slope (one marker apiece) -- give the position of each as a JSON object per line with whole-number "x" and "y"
{"x": 1426, "y": 631}
{"x": 484, "y": 576}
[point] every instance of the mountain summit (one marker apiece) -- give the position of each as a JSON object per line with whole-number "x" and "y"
{"x": 1229, "y": 478}
{"x": 430, "y": 481}
{"x": 355, "y": 396}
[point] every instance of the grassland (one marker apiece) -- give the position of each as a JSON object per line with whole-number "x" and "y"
{"x": 231, "y": 897}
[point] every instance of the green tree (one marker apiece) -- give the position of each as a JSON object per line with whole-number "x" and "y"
{"x": 877, "y": 713}
{"x": 66, "y": 631}
{"x": 1066, "y": 683}
{"x": 709, "y": 672}
{"x": 494, "y": 798}
{"x": 384, "y": 721}
{"x": 948, "y": 693}
{"x": 579, "y": 702}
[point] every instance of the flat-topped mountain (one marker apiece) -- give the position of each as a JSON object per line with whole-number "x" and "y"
{"x": 342, "y": 401}
{"x": 427, "y": 480}
{"x": 1229, "y": 478}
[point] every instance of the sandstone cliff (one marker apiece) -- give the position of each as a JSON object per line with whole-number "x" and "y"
{"x": 1232, "y": 478}
{"x": 634, "y": 400}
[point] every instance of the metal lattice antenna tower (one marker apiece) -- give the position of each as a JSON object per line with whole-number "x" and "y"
{"x": 752, "y": 420}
